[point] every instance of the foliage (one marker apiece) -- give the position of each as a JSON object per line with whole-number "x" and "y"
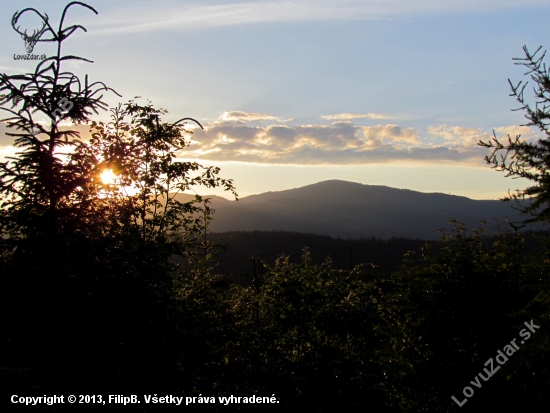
{"x": 314, "y": 336}
{"x": 141, "y": 206}
{"x": 462, "y": 302}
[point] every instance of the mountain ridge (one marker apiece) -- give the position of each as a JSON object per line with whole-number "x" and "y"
{"x": 347, "y": 209}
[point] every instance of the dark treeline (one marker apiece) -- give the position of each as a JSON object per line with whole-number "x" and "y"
{"x": 384, "y": 255}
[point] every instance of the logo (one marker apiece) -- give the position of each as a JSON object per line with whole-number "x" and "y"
{"x": 30, "y": 40}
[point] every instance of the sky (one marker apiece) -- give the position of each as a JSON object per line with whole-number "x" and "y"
{"x": 290, "y": 93}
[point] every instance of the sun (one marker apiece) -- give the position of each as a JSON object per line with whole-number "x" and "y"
{"x": 108, "y": 177}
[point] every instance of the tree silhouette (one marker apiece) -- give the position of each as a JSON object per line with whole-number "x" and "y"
{"x": 520, "y": 158}
{"x": 86, "y": 264}
{"x": 37, "y": 187}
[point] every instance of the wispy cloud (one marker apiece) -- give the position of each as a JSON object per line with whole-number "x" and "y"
{"x": 348, "y": 116}
{"x": 239, "y": 115}
{"x": 162, "y": 15}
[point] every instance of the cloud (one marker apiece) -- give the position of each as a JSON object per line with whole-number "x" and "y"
{"x": 348, "y": 116}
{"x": 247, "y": 117}
{"x": 525, "y": 132}
{"x": 7, "y": 142}
{"x": 5, "y": 139}
{"x": 459, "y": 136}
{"x": 341, "y": 142}
{"x": 392, "y": 132}
{"x": 464, "y": 136}
{"x": 7, "y": 151}
{"x": 168, "y": 16}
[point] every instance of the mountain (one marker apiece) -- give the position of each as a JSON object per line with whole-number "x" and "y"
{"x": 352, "y": 210}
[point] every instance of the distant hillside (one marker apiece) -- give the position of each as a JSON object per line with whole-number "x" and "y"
{"x": 386, "y": 255}
{"x": 351, "y": 210}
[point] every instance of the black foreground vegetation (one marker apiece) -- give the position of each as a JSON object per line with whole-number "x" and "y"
{"x": 111, "y": 291}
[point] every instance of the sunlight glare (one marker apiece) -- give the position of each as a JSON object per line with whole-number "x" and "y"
{"x": 108, "y": 177}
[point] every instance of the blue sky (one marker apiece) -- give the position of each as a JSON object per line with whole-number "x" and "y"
{"x": 380, "y": 92}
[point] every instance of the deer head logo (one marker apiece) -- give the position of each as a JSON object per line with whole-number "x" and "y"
{"x": 31, "y": 40}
